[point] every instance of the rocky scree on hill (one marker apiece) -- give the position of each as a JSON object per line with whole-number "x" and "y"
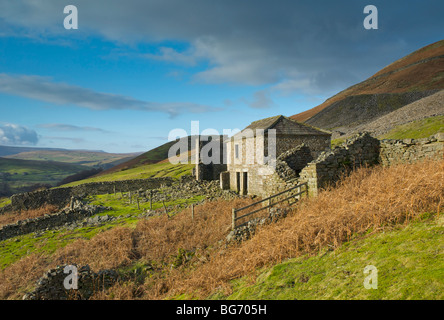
{"x": 345, "y": 115}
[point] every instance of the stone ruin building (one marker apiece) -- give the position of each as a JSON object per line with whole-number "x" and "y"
{"x": 276, "y": 153}
{"x": 262, "y": 157}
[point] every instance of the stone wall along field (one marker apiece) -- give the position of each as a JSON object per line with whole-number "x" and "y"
{"x": 362, "y": 150}
{"x": 60, "y": 197}
{"x": 411, "y": 150}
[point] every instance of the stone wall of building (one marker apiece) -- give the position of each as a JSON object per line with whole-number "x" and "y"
{"x": 290, "y": 163}
{"x": 292, "y": 154}
{"x": 329, "y": 167}
{"x": 316, "y": 143}
{"x": 212, "y": 157}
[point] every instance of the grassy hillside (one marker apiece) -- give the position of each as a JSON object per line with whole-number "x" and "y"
{"x": 17, "y": 174}
{"x": 153, "y": 163}
{"x": 409, "y": 263}
{"x": 422, "y": 70}
{"x": 155, "y": 155}
{"x": 164, "y": 169}
{"x": 362, "y": 221}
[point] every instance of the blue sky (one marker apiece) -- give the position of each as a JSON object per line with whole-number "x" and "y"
{"x": 135, "y": 70}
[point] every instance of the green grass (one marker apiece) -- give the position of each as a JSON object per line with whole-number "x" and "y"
{"x": 4, "y": 202}
{"x": 121, "y": 206}
{"x": 337, "y": 142}
{"x": 417, "y": 129}
{"x": 410, "y": 264}
{"x": 16, "y": 173}
{"x": 12, "y": 250}
{"x": 143, "y": 172}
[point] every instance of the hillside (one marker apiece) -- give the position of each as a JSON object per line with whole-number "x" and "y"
{"x": 315, "y": 249}
{"x": 408, "y": 79}
{"x": 153, "y": 163}
{"x": 81, "y": 157}
{"x": 18, "y": 175}
{"x": 402, "y": 257}
{"x": 430, "y": 107}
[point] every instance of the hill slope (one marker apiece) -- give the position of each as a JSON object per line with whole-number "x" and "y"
{"x": 82, "y": 157}
{"x": 153, "y": 161}
{"x": 18, "y": 175}
{"x": 403, "y": 258}
{"x": 430, "y": 107}
{"x": 413, "y": 77}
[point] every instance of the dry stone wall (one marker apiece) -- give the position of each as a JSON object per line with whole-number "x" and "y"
{"x": 60, "y": 197}
{"x": 362, "y": 150}
{"x": 358, "y": 151}
{"x": 51, "y": 285}
{"x": 77, "y": 212}
{"x": 411, "y": 150}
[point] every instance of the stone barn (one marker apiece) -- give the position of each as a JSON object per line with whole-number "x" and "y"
{"x": 267, "y": 152}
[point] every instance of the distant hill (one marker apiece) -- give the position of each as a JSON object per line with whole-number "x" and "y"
{"x": 416, "y": 76}
{"x": 153, "y": 163}
{"x": 81, "y": 157}
{"x": 7, "y": 150}
{"x": 156, "y": 155}
{"x": 18, "y": 175}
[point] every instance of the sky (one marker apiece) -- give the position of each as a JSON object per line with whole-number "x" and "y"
{"x": 135, "y": 70}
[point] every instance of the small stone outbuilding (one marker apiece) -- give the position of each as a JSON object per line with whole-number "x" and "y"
{"x": 254, "y": 154}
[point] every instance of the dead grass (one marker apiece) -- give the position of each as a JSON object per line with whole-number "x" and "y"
{"x": 12, "y": 217}
{"x": 187, "y": 256}
{"x": 369, "y": 200}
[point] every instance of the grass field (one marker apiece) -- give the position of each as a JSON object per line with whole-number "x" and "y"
{"x": 165, "y": 169}
{"x": 16, "y": 174}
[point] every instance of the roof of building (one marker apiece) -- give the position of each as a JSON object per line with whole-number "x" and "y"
{"x": 283, "y": 126}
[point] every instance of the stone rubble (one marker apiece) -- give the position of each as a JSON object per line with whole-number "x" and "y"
{"x": 51, "y": 286}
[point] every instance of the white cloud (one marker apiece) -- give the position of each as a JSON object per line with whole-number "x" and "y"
{"x": 43, "y": 89}
{"x": 13, "y": 134}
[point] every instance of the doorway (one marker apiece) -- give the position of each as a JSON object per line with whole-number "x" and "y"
{"x": 244, "y": 183}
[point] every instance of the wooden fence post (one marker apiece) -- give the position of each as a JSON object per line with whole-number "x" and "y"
{"x": 233, "y": 219}
{"x": 138, "y": 206}
{"x": 151, "y": 199}
{"x": 130, "y": 197}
